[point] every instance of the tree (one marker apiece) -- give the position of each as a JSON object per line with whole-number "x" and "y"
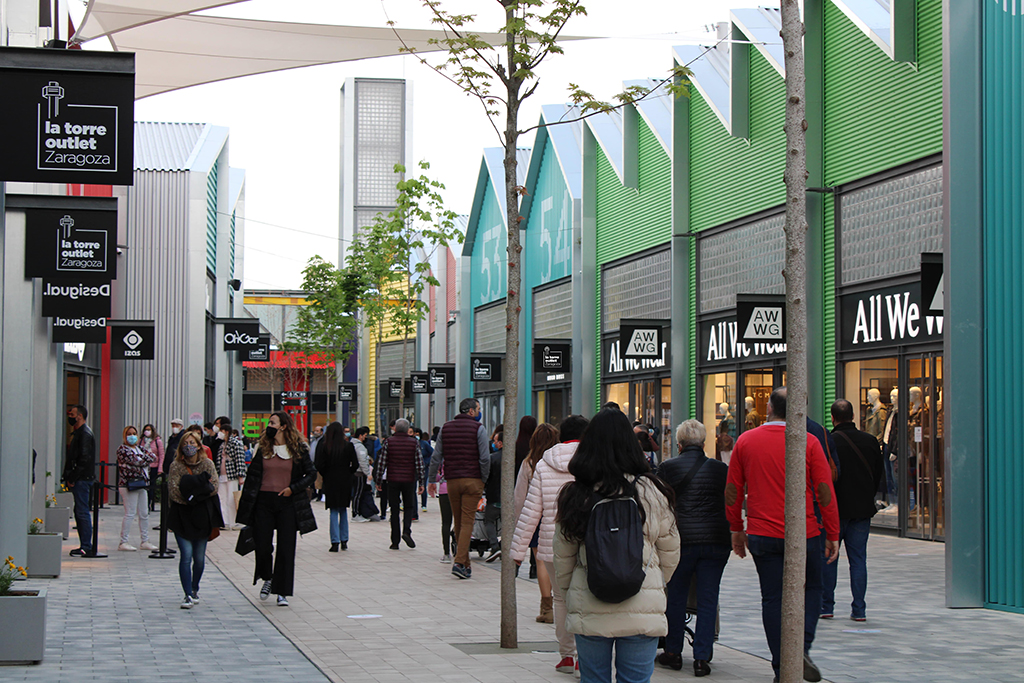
{"x": 502, "y": 77}
{"x": 325, "y": 329}
{"x": 392, "y": 259}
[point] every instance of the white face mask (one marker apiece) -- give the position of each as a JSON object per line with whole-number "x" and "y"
{"x": 220, "y": 435}
{"x": 175, "y": 430}
{"x": 148, "y": 433}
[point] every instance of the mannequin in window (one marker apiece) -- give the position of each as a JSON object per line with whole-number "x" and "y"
{"x": 753, "y": 419}
{"x": 727, "y": 425}
{"x": 724, "y": 439}
{"x": 874, "y": 422}
{"x": 891, "y": 445}
{"x": 917, "y": 418}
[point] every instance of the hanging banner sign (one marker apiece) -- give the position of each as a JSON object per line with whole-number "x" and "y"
{"x": 70, "y": 243}
{"x": 719, "y": 344}
{"x": 615, "y": 363}
{"x": 933, "y": 290}
{"x": 552, "y": 357}
{"x": 395, "y": 388}
{"x": 68, "y": 116}
{"x": 132, "y": 340}
{"x": 892, "y": 316}
{"x": 347, "y": 392}
{"x": 419, "y": 381}
{"x": 441, "y": 375}
{"x": 79, "y": 329}
{"x": 261, "y": 352}
{"x": 485, "y": 368}
{"x": 75, "y": 297}
{"x": 641, "y": 338}
{"x": 761, "y": 318}
{"x": 241, "y": 334}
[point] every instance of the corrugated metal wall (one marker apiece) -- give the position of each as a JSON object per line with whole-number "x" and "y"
{"x": 157, "y": 264}
{"x": 880, "y": 113}
{"x": 1003, "y": 90}
{"x": 211, "y": 220}
{"x": 733, "y": 177}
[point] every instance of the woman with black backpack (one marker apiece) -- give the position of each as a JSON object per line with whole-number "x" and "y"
{"x": 616, "y": 546}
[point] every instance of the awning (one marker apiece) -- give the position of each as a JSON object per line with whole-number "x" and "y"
{"x": 104, "y": 17}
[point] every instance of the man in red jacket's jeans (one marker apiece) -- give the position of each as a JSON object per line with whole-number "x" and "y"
{"x": 758, "y": 466}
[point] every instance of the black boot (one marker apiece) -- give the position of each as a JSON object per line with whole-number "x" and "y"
{"x": 334, "y": 548}
{"x": 344, "y": 545}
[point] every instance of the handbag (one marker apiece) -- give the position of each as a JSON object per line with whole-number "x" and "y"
{"x": 137, "y": 484}
{"x": 214, "y": 533}
{"x": 246, "y": 541}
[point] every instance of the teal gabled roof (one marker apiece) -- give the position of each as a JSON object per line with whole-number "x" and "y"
{"x": 492, "y": 172}
{"x": 566, "y": 143}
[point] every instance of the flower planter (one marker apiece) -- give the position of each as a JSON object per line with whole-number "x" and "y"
{"x": 65, "y": 500}
{"x": 58, "y": 520}
{"x": 44, "y": 555}
{"x": 24, "y": 615}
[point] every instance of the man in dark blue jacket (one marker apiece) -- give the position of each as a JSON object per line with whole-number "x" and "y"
{"x": 79, "y": 475}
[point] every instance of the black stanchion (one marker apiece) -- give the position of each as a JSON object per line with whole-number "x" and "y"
{"x": 95, "y": 496}
{"x": 164, "y": 553}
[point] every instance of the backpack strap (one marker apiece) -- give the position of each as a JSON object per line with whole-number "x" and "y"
{"x": 857, "y": 451}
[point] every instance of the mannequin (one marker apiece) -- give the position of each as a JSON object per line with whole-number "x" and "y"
{"x": 890, "y": 446}
{"x": 727, "y": 425}
{"x": 874, "y": 422}
{"x": 753, "y": 419}
{"x": 917, "y": 418}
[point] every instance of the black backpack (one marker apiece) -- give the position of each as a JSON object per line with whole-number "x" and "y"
{"x": 615, "y": 549}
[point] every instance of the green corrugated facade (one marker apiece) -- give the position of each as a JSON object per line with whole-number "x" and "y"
{"x": 211, "y": 220}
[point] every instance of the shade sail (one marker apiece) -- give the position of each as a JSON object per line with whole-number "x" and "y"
{"x": 105, "y": 17}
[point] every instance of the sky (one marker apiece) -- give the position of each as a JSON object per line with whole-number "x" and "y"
{"x": 285, "y": 126}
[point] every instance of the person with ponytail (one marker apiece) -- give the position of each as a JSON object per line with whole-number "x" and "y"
{"x": 608, "y": 463}
{"x": 275, "y": 498}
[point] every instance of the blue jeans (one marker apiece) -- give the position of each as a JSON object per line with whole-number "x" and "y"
{"x": 707, "y": 562}
{"x": 853, "y": 534}
{"x": 83, "y": 519}
{"x": 191, "y": 562}
{"x": 339, "y": 525}
{"x": 767, "y": 553}
{"x": 634, "y": 658}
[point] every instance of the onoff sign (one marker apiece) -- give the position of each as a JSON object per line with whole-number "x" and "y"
{"x": 132, "y": 340}
{"x": 241, "y": 335}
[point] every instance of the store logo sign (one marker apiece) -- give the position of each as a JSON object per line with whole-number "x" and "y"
{"x": 891, "y": 316}
{"x": 346, "y": 392}
{"x": 75, "y": 297}
{"x": 618, "y": 363}
{"x": 241, "y": 335}
{"x": 481, "y": 371}
{"x": 551, "y": 356}
{"x": 421, "y": 382}
{"x": 441, "y": 376}
{"x": 761, "y": 317}
{"x": 75, "y": 137}
{"x": 551, "y": 359}
{"x": 720, "y": 343}
{"x": 132, "y": 340}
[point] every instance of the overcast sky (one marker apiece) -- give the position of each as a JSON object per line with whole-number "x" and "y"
{"x": 285, "y": 126}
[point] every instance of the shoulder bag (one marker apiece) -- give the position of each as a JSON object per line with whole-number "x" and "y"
{"x": 856, "y": 450}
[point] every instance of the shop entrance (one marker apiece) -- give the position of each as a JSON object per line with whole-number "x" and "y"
{"x": 551, "y": 405}
{"x": 733, "y": 402}
{"x": 925, "y": 516}
{"x": 650, "y": 402}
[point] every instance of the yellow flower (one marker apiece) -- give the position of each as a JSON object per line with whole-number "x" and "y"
{"x": 24, "y": 573}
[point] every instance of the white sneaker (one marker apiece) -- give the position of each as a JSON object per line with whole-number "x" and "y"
{"x": 359, "y": 518}
{"x": 446, "y": 559}
{"x": 282, "y": 601}
{"x": 195, "y": 598}
{"x": 148, "y": 546}
{"x": 127, "y": 547}
{"x": 187, "y": 603}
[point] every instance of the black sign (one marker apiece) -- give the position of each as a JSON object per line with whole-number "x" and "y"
{"x": 395, "y": 388}
{"x": 68, "y": 116}
{"x": 72, "y": 243}
{"x": 419, "y": 381}
{"x": 552, "y": 357}
{"x": 761, "y": 318}
{"x": 241, "y": 335}
{"x": 261, "y": 352}
{"x": 614, "y": 363}
{"x": 132, "y": 340}
{"x": 641, "y": 338}
{"x": 79, "y": 329}
{"x": 892, "y": 316}
{"x": 347, "y": 392}
{"x": 75, "y": 297}
{"x": 720, "y": 344}
{"x": 441, "y": 375}
{"x": 485, "y": 368}
{"x": 933, "y": 288}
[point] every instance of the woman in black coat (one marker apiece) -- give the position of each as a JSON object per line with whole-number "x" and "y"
{"x": 275, "y": 497}
{"x": 336, "y": 461}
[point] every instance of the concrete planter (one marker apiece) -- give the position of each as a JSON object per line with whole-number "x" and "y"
{"x": 65, "y": 500}
{"x": 58, "y": 520}
{"x": 24, "y": 619}
{"x": 44, "y": 555}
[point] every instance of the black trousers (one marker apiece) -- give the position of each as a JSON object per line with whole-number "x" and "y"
{"x": 401, "y": 493}
{"x": 273, "y": 512}
{"x": 382, "y": 491}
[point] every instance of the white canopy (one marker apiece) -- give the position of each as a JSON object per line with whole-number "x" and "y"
{"x": 105, "y": 17}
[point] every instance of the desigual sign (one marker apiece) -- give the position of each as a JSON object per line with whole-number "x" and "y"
{"x": 69, "y": 116}
{"x": 132, "y": 340}
{"x": 71, "y": 243}
{"x": 893, "y": 316}
{"x": 75, "y": 298}
{"x": 241, "y": 335}
{"x": 79, "y": 329}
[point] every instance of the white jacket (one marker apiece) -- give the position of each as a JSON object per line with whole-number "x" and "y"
{"x": 541, "y": 504}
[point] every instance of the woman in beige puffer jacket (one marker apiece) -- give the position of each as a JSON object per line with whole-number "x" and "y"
{"x": 609, "y": 461}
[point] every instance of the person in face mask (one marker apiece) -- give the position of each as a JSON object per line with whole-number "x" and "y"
{"x": 177, "y": 430}
{"x": 152, "y": 442}
{"x": 133, "y": 463}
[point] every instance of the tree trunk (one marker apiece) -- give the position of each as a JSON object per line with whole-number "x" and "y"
{"x": 509, "y": 624}
{"x": 794, "y": 568}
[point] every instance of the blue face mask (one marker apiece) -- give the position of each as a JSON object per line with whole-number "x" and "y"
{"x": 479, "y": 416}
{"x": 132, "y": 439}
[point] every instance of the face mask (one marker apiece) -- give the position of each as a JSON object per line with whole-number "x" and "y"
{"x": 220, "y": 435}
{"x": 190, "y": 450}
{"x": 132, "y": 439}
{"x": 72, "y": 420}
{"x": 479, "y": 416}
{"x": 347, "y": 434}
{"x": 147, "y": 433}
{"x": 650, "y": 431}
{"x": 175, "y": 430}
{"x": 271, "y": 433}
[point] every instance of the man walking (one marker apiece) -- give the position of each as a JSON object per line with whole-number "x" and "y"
{"x": 79, "y": 475}
{"x": 758, "y": 467}
{"x": 401, "y": 462}
{"x": 860, "y": 456}
{"x": 363, "y": 476}
{"x": 462, "y": 445}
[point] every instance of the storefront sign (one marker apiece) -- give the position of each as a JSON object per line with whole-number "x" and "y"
{"x": 892, "y": 316}
{"x": 347, "y": 392}
{"x": 75, "y": 297}
{"x": 720, "y": 344}
{"x": 761, "y": 317}
{"x": 241, "y": 335}
{"x": 441, "y": 375}
{"x": 641, "y": 338}
{"x": 485, "y": 368}
{"x": 552, "y": 357}
{"x": 71, "y": 243}
{"x": 932, "y": 284}
{"x": 261, "y": 352}
{"x": 132, "y": 340}
{"x": 68, "y": 116}
{"x": 615, "y": 363}
{"x": 79, "y": 329}
{"x": 419, "y": 382}
{"x": 395, "y": 388}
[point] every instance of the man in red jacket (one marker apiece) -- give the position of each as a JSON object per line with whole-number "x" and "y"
{"x": 759, "y": 466}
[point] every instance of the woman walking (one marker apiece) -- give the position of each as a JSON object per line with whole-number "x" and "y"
{"x": 610, "y": 464}
{"x": 541, "y": 508}
{"x": 705, "y": 544}
{"x": 275, "y": 498}
{"x": 447, "y": 540}
{"x": 152, "y": 442}
{"x": 194, "y": 512}
{"x": 133, "y": 480}
{"x": 544, "y": 437}
{"x": 336, "y": 462}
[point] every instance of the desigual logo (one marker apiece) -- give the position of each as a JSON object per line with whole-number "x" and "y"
{"x": 235, "y": 337}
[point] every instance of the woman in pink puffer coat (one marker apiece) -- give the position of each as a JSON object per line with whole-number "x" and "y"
{"x": 541, "y": 507}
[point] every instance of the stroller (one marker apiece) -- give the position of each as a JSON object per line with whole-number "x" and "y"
{"x": 478, "y": 541}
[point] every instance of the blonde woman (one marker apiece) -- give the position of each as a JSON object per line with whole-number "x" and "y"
{"x": 133, "y": 480}
{"x": 274, "y": 498}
